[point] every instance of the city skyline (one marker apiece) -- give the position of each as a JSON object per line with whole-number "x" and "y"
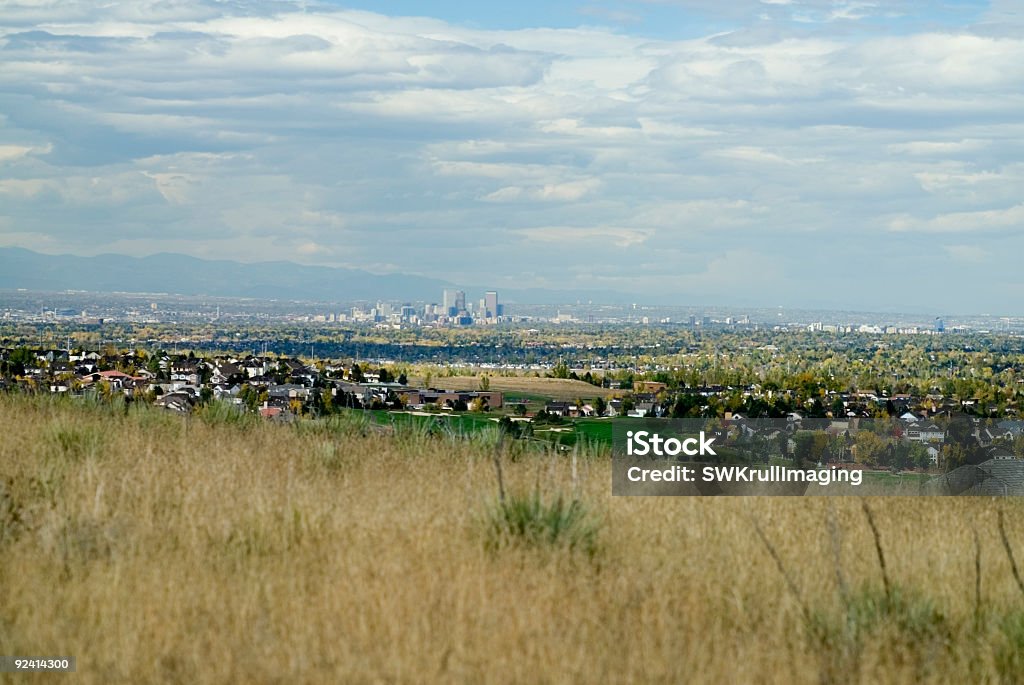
{"x": 839, "y": 154}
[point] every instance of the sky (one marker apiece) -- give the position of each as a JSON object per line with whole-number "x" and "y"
{"x": 837, "y": 153}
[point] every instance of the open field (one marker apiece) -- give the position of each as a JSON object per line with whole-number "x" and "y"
{"x": 556, "y": 388}
{"x": 465, "y": 424}
{"x": 225, "y": 550}
{"x": 532, "y": 387}
{"x": 565, "y": 389}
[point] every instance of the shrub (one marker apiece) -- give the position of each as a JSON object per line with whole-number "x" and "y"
{"x": 11, "y": 522}
{"x": 326, "y": 456}
{"x": 412, "y": 432}
{"x": 532, "y": 521}
{"x": 220, "y": 413}
{"x": 1009, "y": 655}
{"x": 75, "y": 442}
{"x": 345, "y": 423}
{"x": 267, "y": 534}
{"x": 907, "y": 622}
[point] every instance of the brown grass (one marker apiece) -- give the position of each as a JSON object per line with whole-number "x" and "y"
{"x": 161, "y": 550}
{"x": 566, "y": 389}
{"x": 555, "y": 388}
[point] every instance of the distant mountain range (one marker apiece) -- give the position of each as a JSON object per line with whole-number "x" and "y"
{"x": 183, "y": 275}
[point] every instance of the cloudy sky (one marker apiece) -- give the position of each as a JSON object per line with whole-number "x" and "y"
{"x": 853, "y": 153}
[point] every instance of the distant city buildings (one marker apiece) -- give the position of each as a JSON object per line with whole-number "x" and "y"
{"x": 454, "y": 308}
{"x": 454, "y": 302}
{"x": 453, "y": 311}
{"x": 492, "y": 310}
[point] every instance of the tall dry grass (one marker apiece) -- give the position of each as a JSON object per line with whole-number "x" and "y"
{"x": 157, "y": 549}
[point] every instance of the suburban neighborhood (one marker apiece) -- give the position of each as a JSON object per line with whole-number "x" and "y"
{"x": 930, "y": 432}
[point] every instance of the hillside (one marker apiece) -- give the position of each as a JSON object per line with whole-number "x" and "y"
{"x": 180, "y": 274}
{"x": 184, "y": 275}
{"x": 220, "y": 549}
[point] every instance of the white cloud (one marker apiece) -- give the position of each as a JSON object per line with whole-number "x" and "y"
{"x": 1009, "y": 218}
{"x": 309, "y": 249}
{"x": 11, "y": 152}
{"x": 573, "y": 235}
{"x": 175, "y": 187}
{"x": 750, "y": 153}
{"x": 939, "y": 148}
{"x": 550, "y": 192}
{"x": 27, "y": 187}
{"x": 354, "y": 137}
{"x": 965, "y": 180}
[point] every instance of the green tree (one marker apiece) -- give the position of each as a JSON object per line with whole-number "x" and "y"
{"x": 783, "y": 443}
{"x": 804, "y": 448}
{"x": 356, "y": 374}
{"x": 952, "y": 456}
{"x": 838, "y": 408}
{"x": 918, "y": 456}
{"x": 250, "y": 397}
{"x": 19, "y": 359}
{"x": 869, "y": 448}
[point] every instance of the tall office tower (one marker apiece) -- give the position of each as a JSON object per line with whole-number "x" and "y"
{"x": 450, "y": 297}
{"x": 491, "y": 304}
{"x": 460, "y": 301}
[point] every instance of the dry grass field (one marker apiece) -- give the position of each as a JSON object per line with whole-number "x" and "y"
{"x": 222, "y": 550}
{"x": 565, "y": 389}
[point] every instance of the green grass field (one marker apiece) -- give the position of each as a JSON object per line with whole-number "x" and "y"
{"x": 594, "y": 433}
{"x": 458, "y": 423}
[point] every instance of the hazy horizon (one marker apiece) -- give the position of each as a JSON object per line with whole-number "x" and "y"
{"x": 840, "y": 154}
